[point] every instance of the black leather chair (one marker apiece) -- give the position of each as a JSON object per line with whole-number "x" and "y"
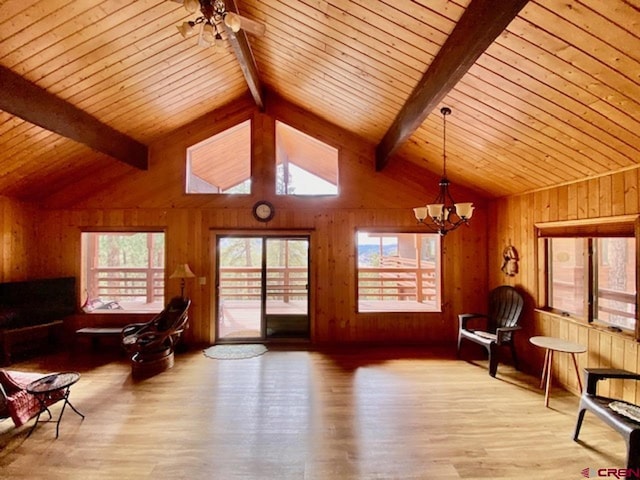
{"x": 500, "y": 325}
{"x": 628, "y": 428}
{"x": 156, "y": 339}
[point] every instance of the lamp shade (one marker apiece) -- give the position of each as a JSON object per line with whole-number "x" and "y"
{"x": 183, "y": 271}
{"x": 186, "y": 29}
{"x": 191, "y": 6}
{"x": 420, "y": 212}
{"x": 464, "y": 210}
{"x": 208, "y": 33}
{"x": 232, "y": 21}
{"x": 436, "y": 210}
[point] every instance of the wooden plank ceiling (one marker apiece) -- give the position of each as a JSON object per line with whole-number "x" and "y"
{"x": 555, "y": 99}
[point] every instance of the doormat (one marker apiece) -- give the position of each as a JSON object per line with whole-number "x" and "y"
{"x": 234, "y": 352}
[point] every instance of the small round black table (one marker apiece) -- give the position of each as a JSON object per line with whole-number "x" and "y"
{"x": 44, "y": 390}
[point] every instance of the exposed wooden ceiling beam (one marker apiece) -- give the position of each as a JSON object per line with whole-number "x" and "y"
{"x": 480, "y": 24}
{"x": 28, "y": 101}
{"x": 247, "y": 61}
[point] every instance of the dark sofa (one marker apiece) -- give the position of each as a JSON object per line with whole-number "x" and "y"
{"x": 32, "y": 313}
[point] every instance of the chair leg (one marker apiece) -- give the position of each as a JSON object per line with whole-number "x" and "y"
{"x": 459, "y": 343}
{"x": 633, "y": 453}
{"x": 493, "y": 360}
{"x": 513, "y": 355}
{"x": 581, "y": 413}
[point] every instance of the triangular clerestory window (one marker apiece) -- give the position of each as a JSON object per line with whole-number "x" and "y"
{"x": 222, "y": 163}
{"x": 304, "y": 165}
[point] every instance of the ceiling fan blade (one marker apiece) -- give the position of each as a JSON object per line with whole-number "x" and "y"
{"x": 251, "y": 26}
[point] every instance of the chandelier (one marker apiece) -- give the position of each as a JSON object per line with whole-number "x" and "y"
{"x": 444, "y": 214}
{"x": 214, "y": 12}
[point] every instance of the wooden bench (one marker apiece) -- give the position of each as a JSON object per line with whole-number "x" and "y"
{"x": 97, "y": 334}
{"x": 628, "y": 428}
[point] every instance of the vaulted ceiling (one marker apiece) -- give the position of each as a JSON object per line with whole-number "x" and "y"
{"x": 554, "y": 99}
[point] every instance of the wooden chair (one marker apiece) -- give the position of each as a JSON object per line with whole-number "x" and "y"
{"x": 151, "y": 345}
{"x": 500, "y": 325}
{"x": 600, "y": 406}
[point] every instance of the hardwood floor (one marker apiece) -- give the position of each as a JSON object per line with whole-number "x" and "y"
{"x": 356, "y": 413}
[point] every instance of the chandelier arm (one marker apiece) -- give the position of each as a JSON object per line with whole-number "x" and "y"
{"x": 430, "y": 225}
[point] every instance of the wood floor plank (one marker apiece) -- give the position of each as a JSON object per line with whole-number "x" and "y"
{"x": 357, "y": 413}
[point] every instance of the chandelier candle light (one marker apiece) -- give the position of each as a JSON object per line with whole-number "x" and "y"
{"x": 444, "y": 213}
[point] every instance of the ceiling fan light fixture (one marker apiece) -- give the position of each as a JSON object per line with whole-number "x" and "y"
{"x": 232, "y": 21}
{"x": 191, "y": 6}
{"x": 211, "y": 15}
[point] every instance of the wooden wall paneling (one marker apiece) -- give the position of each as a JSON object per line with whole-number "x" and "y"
{"x": 332, "y": 321}
{"x": 629, "y": 362}
{"x": 582, "y": 197}
{"x": 562, "y": 207}
{"x": 521, "y": 217}
{"x": 561, "y": 361}
{"x": 617, "y": 361}
{"x": 618, "y": 195}
{"x": 605, "y": 195}
{"x": 542, "y": 206}
{"x": 493, "y": 229}
{"x": 320, "y": 264}
{"x": 552, "y": 199}
{"x": 572, "y": 210}
{"x": 583, "y": 358}
{"x": 18, "y": 240}
{"x": 344, "y": 271}
{"x": 572, "y": 380}
{"x": 593, "y": 201}
{"x": 631, "y": 191}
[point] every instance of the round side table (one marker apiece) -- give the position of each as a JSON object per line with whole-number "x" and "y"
{"x": 46, "y": 390}
{"x": 553, "y": 344}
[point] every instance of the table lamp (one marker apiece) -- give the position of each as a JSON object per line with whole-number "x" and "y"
{"x": 182, "y": 271}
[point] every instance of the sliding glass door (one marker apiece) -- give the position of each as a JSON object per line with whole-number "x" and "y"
{"x": 262, "y": 288}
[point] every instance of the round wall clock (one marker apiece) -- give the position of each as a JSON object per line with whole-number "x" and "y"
{"x": 263, "y": 211}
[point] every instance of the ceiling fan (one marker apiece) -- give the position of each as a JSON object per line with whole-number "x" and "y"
{"x": 213, "y": 15}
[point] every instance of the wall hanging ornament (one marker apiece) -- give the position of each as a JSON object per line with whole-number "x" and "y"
{"x": 509, "y": 261}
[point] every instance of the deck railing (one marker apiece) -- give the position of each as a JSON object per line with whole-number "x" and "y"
{"x": 126, "y": 283}
{"x": 245, "y": 283}
{"x": 398, "y": 279}
{"x": 614, "y": 307}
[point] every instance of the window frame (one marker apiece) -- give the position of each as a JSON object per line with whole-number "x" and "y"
{"x": 243, "y": 127}
{"x": 627, "y": 226}
{"x": 84, "y": 274}
{"x": 308, "y": 137}
{"x": 438, "y": 272}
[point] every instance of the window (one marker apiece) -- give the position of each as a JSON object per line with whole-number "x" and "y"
{"x": 222, "y": 163}
{"x": 398, "y": 272}
{"x": 123, "y": 271}
{"x": 304, "y": 165}
{"x": 591, "y": 273}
